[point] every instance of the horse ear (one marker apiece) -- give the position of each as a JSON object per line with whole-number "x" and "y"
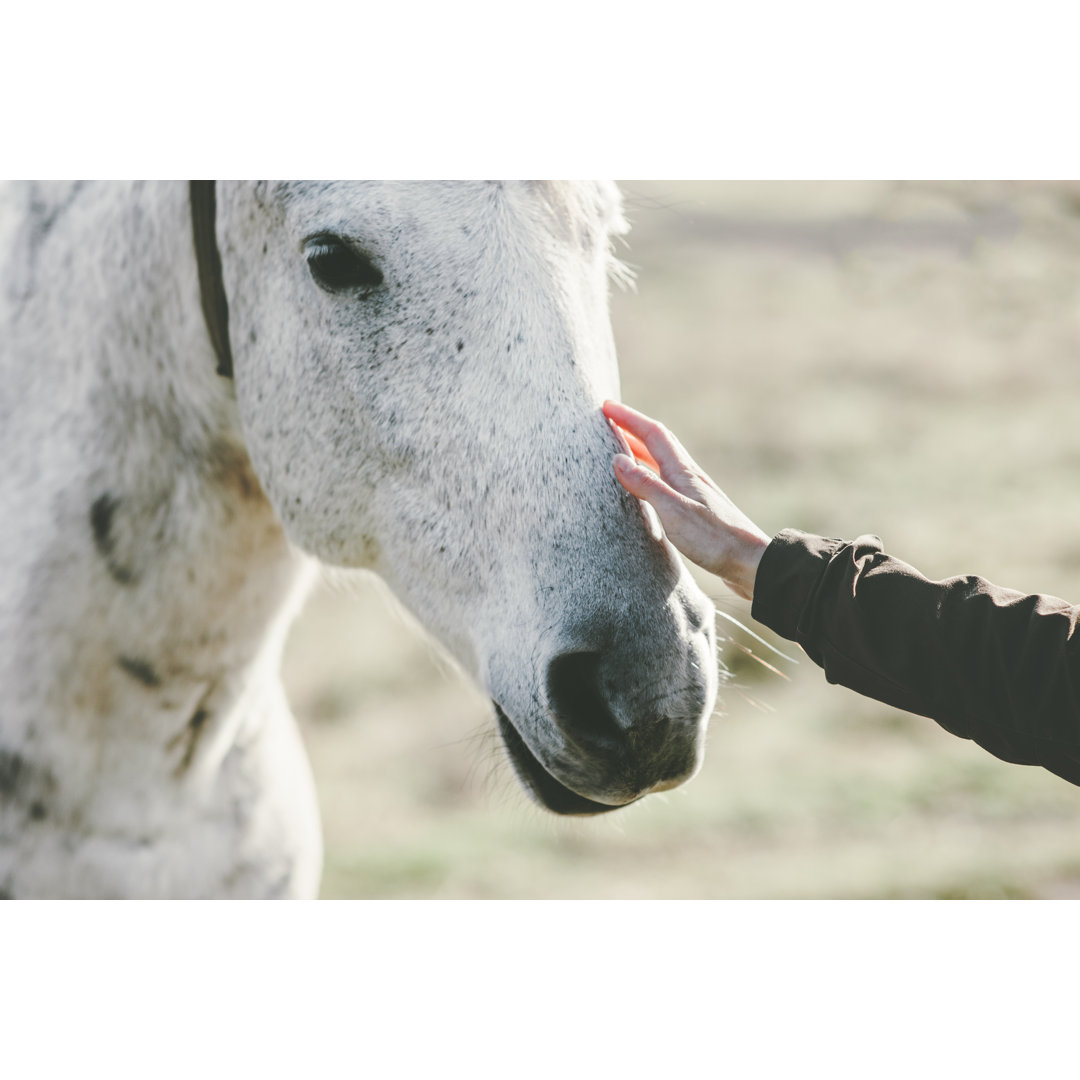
{"x": 215, "y": 304}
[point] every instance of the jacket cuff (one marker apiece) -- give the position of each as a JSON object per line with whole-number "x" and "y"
{"x": 790, "y": 569}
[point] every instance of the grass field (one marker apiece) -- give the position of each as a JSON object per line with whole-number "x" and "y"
{"x": 902, "y": 359}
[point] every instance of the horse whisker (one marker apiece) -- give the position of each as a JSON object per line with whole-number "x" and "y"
{"x": 753, "y": 701}
{"x": 754, "y": 656}
{"x": 761, "y": 640}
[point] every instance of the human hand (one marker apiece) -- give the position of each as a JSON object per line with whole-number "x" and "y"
{"x": 698, "y": 518}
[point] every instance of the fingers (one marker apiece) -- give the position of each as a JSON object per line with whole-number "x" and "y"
{"x": 697, "y": 517}
{"x": 633, "y": 447}
{"x": 665, "y": 452}
{"x": 645, "y": 484}
{"x": 641, "y": 451}
{"x": 687, "y": 524}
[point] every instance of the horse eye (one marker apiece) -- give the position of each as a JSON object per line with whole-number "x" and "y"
{"x": 336, "y": 266}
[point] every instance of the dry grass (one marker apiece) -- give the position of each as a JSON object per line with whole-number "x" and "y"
{"x": 898, "y": 359}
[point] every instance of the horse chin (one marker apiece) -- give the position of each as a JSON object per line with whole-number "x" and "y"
{"x": 539, "y": 783}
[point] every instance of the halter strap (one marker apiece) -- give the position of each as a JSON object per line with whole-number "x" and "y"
{"x": 211, "y": 288}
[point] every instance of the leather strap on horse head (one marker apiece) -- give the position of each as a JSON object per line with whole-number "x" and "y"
{"x": 214, "y": 303}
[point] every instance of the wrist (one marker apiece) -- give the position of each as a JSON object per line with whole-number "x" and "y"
{"x": 740, "y": 572}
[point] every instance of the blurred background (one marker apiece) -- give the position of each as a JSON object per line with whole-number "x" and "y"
{"x": 896, "y": 358}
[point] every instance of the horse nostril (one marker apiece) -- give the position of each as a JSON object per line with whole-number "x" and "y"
{"x": 578, "y": 702}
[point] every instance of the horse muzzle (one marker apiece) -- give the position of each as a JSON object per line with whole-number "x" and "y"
{"x": 601, "y": 742}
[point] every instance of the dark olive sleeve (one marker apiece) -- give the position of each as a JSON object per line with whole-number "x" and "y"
{"x": 988, "y": 664}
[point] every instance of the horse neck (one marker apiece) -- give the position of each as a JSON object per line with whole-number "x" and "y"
{"x": 156, "y": 561}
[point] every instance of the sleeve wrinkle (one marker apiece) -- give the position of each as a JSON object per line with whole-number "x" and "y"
{"x": 986, "y": 663}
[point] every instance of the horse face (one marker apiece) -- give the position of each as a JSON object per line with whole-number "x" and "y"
{"x": 419, "y": 371}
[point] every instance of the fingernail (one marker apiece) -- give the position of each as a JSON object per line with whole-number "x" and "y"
{"x": 625, "y": 464}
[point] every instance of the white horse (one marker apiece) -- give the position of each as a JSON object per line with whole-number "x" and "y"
{"x": 405, "y": 377}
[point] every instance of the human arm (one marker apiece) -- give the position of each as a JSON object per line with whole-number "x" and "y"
{"x": 989, "y": 664}
{"x": 986, "y": 663}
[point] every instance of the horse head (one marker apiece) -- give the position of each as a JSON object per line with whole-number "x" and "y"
{"x": 419, "y": 370}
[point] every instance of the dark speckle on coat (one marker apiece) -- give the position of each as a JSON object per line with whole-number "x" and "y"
{"x": 102, "y": 515}
{"x": 190, "y": 737}
{"x": 25, "y": 786}
{"x": 140, "y": 670}
{"x": 11, "y": 768}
